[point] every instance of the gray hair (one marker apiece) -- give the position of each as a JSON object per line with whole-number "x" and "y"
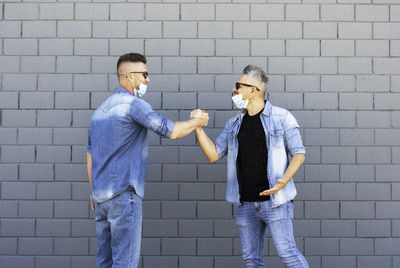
{"x": 258, "y": 73}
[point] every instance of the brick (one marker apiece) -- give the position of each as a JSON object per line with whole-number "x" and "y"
{"x": 160, "y": 228}
{"x": 337, "y": 83}
{"x": 287, "y": 65}
{"x": 374, "y": 261}
{"x": 284, "y": 30}
{"x": 320, "y": 30}
{"x": 36, "y": 172}
{"x": 355, "y": 66}
{"x": 357, "y": 173}
{"x": 57, "y": 11}
{"x": 387, "y": 172}
{"x": 83, "y": 261}
{"x": 337, "y": 12}
{"x": 322, "y": 172}
{"x": 301, "y": 47}
{"x": 86, "y": 11}
{"x": 10, "y": 28}
{"x": 178, "y": 246}
{"x": 157, "y": 261}
{"x": 196, "y": 83}
{"x": 355, "y": 101}
{"x": 19, "y": 47}
{"x": 357, "y": 210}
{"x": 338, "y": 228}
{"x": 162, "y": 12}
{"x": 242, "y": 30}
{"x": 39, "y": 29}
{"x": 109, "y": 29}
{"x": 373, "y": 228}
{"x": 19, "y": 11}
{"x": 338, "y": 191}
{"x": 71, "y": 209}
{"x": 9, "y": 64}
{"x": 215, "y": 172}
{"x": 355, "y": 30}
{"x": 97, "y": 98}
{"x": 225, "y": 228}
{"x": 91, "y": 47}
{"x": 69, "y": 64}
{"x": 220, "y": 210}
{"x": 176, "y": 65}
{"x": 386, "y": 66}
{"x": 372, "y": 13}
{"x": 267, "y": 12}
{"x": 122, "y": 46}
{"x": 8, "y": 135}
{"x": 302, "y": 12}
{"x": 197, "y": 47}
{"x": 214, "y": 246}
{"x": 9, "y": 209}
{"x": 374, "y": 83}
{"x": 356, "y": 246}
{"x": 122, "y": 11}
{"x": 381, "y": 155}
{"x": 215, "y": 29}
{"x": 396, "y": 155}
{"x": 287, "y": 100}
{"x": 240, "y": 62}
{"x": 80, "y": 190}
{"x": 339, "y": 261}
{"x": 55, "y": 82}
{"x": 83, "y": 228}
{"x": 10, "y": 153}
{"x": 321, "y": 210}
{"x": 338, "y": 119}
{"x": 196, "y": 262}
{"x": 72, "y": 100}
{"x": 322, "y": 246}
{"x": 180, "y": 29}
{"x": 308, "y": 119}
{"x": 320, "y": 101}
{"x": 151, "y": 246}
{"x": 8, "y": 246}
{"x": 234, "y": 262}
{"x": 54, "y": 118}
{"x": 35, "y": 246}
{"x": 267, "y": 48}
{"x": 197, "y": 12}
{"x": 232, "y": 12}
{"x": 214, "y": 100}
{"x": 320, "y": 65}
{"x": 337, "y": 48}
{"x": 144, "y": 29}
{"x": 74, "y": 172}
{"x": 35, "y": 209}
{"x": 160, "y": 47}
{"x": 18, "y": 261}
{"x": 74, "y": 29}
{"x": 17, "y": 227}
{"x": 196, "y": 191}
{"x": 90, "y": 82}
{"x": 195, "y": 228}
{"x": 387, "y": 136}
{"x": 59, "y": 261}
{"x": 387, "y": 210}
{"x": 8, "y": 172}
{"x": 36, "y": 100}
{"x": 37, "y": 64}
{"x": 73, "y": 246}
{"x": 372, "y": 48}
{"x": 212, "y": 65}
{"x": 183, "y": 100}
{"x": 55, "y": 47}
{"x": 307, "y": 228}
{"x": 8, "y": 100}
{"x": 54, "y": 190}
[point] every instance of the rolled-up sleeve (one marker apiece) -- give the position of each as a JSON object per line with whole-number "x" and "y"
{"x": 89, "y": 143}
{"x": 221, "y": 143}
{"x": 292, "y": 136}
{"x": 143, "y": 114}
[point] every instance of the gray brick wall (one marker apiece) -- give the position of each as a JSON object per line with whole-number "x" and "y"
{"x": 334, "y": 64}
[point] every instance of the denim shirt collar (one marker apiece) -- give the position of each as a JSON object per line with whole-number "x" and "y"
{"x": 120, "y": 89}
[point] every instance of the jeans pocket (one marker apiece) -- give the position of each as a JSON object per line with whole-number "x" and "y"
{"x": 116, "y": 207}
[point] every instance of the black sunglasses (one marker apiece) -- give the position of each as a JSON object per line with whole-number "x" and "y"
{"x": 145, "y": 74}
{"x": 238, "y": 85}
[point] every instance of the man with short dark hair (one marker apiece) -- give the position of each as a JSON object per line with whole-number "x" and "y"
{"x": 258, "y": 142}
{"x": 117, "y": 153}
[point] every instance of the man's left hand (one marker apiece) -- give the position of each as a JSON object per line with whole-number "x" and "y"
{"x": 278, "y": 186}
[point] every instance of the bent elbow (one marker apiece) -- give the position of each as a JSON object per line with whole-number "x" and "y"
{"x": 213, "y": 159}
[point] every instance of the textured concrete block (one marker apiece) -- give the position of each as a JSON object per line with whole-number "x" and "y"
{"x": 54, "y": 190}
{"x": 55, "y": 82}
{"x": 74, "y": 29}
{"x": 19, "y": 47}
{"x": 86, "y": 11}
{"x": 35, "y": 246}
{"x": 372, "y": 13}
{"x": 232, "y": 12}
{"x": 55, "y": 46}
{"x": 267, "y": 48}
{"x": 8, "y": 100}
{"x": 197, "y": 47}
{"x": 338, "y": 119}
{"x": 8, "y": 135}
{"x": 355, "y": 30}
{"x": 165, "y": 12}
{"x": 339, "y": 191}
{"x": 83, "y": 228}
{"x": 91, "y": 47}
{"x": 122, "y": 11}
{"x": 39, "y": 29}
{"x": 284, "y": 30}
{"x": 169, "y": 191}
{"x": 10, "y": 153}
{"x": 302, "y": 12}
{"x": 386, "y": 65}
{"x": 71, "y": 246}
{"x": 225, "y": 228}
{"x": 320, "y": 65}
{"x": 36, "y": 172}
{"x": 21, "y": 11}
{"x": 9, "y": 209}
{"x": 214, "y": 246}
{"x": 338, "y": 228}
{"x": 195, "y": 262}
{"x": 374, "y": 83}
{"x": 160, "y": 228}
{"x": 242, "y": 30}
{"x": 80, "y": 190}
{"x": 8, "y": 246}
{"x": 161, "y": 47}
{"x": 374, "y": 261}
{"x": 355, "y": 66}
{"x": 109, "y": 29}
{"x": 232, "y": 48}
{"x": 176, "y": 65}
{"x": 356, "y": 246}
{"x": 357, "y": 210}
{"x": 8, "y": 172}
{"x": 178, "y": 246}
{"x": 59, "y": 261}
{"x": 83, "y": 261}
{"x": 322, "y": 246}
{"x": 144, "y": 29}
{"x": 337, "y": 12}
{"x": 234, "y": 262}
{"x": 287, "y": 65}
{"x": 267, "y": 12}
{"x": 215, "y": 29}
{"x": 71, "y": 209}
{"x": 57, "y": 11}
{"x": 303, "y": 83}
{"x": 287, "y": 100}
{"x": 387, "y": 172}
{"x": 214, "y": 101}
{"x": 180, "y": 29}
{"x": 339, "y": 261}
{"x": 355, "y": 101}
{"x": 196, "y": 191}
{"x": 195, "y": 228}
{"x": 35, "y": 209}
{"x": 212, "y": 65}
{"x": 215, "y": 172}
{"x": 18, "y": 227}
{"x": 320, "y": 30}
{"x": 357, "y": 173}
{"x": 381, "y": 155}
{"x": 337, "y": 48}
{"x": 9, "y": 64}
{"x": 321, "y": 100}
{"x": 373, "y": 228}
{"x": 73, "y": 64}
{"x": 10, "y": 28}
{"x": 337, "y": 83}
{"x": 338, "y": 155}
{"x": 302, "y": 48}
{"x": 372, "y": 48}
{"x": 121, "y": 46}
{"x": 356, "y": 137}
{"x": 321, "y": 137}
{"x": 321, "y": 210}
{"x": 74, "y": 172}
{"x": 18, "y": 261}
{"x": 197, "y": 12}
{"x": 221, "y": 210}
{"x": 37, "y": 64}
{"x": 178, "y": 210}
{"x": 157, "y": 261}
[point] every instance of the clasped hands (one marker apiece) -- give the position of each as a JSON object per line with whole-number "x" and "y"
{"x": 200, "y": 114}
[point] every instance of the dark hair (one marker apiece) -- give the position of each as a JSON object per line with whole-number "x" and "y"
{"x": 256, "y": 72}
{"x": 131, "y": 57}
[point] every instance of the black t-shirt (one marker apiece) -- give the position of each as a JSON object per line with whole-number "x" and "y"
{"x": 252, "y": 159}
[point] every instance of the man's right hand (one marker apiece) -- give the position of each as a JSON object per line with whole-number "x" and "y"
{"x": 200, "y": 114}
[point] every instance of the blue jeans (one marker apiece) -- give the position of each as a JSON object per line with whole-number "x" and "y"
{"x": 119, "y": 230}
{"x": 252, "y": 218}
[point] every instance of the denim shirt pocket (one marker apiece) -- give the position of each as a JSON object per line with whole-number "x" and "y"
{"x": 276, "y": 138}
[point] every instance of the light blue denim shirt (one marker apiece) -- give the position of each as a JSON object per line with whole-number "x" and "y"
{"x": 118, "y": 143}
{"x": 282, "y": 138}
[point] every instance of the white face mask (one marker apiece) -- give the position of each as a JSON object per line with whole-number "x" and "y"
{"x": 142, "y": 90}
{"x": 239, "y": 101}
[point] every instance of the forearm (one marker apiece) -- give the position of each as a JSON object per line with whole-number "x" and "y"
{"x": 294, "y": 165}
{"x": 89, "y": 168}
{"x": 183, "y": 128}
{"x": 206, "y": 145}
